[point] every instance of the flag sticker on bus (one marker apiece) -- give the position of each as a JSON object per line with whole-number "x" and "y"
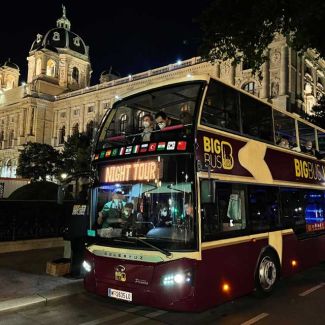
{"x": 128, "y": 150}
{"x": 181, "y": 145}
{"x": 114, "y": 152}
{"x": 108, "y": 153}
{"x": 161, "y": 145}
{"x": 144, "y": 147}
{"x": 122, "y": 151}
{"x": 152, "y": 147}
{"x": 136, "y": 148}
{"x": 171, "y": 145}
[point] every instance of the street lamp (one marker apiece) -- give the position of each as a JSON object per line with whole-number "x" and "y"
{"x": 64, "y": 176}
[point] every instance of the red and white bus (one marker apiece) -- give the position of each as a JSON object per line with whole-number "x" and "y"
{"x": 211, "y": 207}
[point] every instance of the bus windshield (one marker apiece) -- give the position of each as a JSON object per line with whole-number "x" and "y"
{"x": 134, "y": 119}
{"x": 150, "y": 199}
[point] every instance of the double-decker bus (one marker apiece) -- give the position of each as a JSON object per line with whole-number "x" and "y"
{"x": 211, "y": 207}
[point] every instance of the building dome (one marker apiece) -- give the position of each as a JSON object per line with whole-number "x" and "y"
{"x": 11, "y": 65}
{"x": 60, "y": 38}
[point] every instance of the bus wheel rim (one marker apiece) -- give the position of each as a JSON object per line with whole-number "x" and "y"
{"x": 267, "y": 273}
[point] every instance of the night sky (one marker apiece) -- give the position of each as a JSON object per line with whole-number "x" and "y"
{"x": 130, "y": 36}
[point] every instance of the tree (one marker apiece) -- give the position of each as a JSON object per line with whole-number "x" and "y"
{"x": 241, "y": 30}
{"x": 318, "y": 111}
{"x": 76, "y": 155}
{"x": 37, "y": 161}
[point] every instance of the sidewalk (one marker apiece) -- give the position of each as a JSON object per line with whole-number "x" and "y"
{"x": 23, "y": 280}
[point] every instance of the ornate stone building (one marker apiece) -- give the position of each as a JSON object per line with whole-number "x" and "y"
{"x": 58, "y": 101}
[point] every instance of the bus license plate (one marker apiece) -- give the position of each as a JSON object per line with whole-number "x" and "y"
{"x": 118, "y": 294}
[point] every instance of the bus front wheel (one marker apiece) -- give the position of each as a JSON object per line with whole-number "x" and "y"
{"x": 267, "y": 273}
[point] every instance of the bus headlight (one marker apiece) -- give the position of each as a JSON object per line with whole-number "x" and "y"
{"x": 86, "y": 265}
{"x": 178, "y": 278}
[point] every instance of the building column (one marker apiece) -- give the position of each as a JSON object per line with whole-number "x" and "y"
{"x": 284, "y": 71}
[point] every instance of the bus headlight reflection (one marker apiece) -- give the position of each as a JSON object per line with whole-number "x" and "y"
{"x": 86, "y": 265}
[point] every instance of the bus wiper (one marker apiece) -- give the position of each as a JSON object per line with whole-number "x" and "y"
{"x": 162, "y": 250}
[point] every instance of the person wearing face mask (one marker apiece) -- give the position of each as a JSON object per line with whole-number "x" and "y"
{"x": 147, "y": 123}
{"x": 164, "y": 219}
{"x": 308, "y": 148}
{"x": 112, "y": 210}
{"x": 162, "y": 120}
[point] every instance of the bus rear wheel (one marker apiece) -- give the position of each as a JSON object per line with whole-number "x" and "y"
{"x": 267, "y": 273}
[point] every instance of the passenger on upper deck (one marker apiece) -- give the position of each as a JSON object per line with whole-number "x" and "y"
{"x": 308, "y": 148}
{"x": 284, "y": 143}
{"x": 162, "y": 120}
{"x": 147, "y": 123}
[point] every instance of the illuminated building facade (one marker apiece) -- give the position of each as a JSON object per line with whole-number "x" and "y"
{"x": 57, "y": 99}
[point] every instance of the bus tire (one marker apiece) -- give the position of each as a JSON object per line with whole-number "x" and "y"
{"x": 267, "y": 273}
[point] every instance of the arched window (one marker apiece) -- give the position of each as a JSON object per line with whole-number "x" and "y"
{"x": 38, "y": 66}
{"x": 90, "y": 128}
{"x": 250, "y": 87}
{"x": 139, "y": 119}
{"x": 50, "y": 68}
{"x": 75, "y": 129}
{"x": 123, "y": 122}
{"x": 2, "y": 135}
{"x": 11, "y": 138}
{"x": 10, "y": 82}
{"x": 75, "y": 74}
{"x": 62, "y": 135}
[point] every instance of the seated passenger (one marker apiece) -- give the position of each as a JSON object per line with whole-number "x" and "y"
{"x": 147, "y": 123}
{"x": 189, "y": 216}
{"x": 284, "y": 143}
{"x": 308, "y": 148}
{"x": 128, "y": 216}
{"x": 162, "y": 120}
{"x": 164, "y": 218}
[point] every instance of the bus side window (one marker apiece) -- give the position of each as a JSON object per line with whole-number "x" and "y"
{"x": 263, "y": 208}
{"x": 256, "y": 118}
{"x": 221, "y": 107}
{"x": 222, "y": 209}
{"x": 292, "y": 209}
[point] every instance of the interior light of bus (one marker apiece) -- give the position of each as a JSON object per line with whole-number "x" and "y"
{"x": 226, "y": 288}
{"x": 294, "y": 263}
{"x": 86, "y": 265}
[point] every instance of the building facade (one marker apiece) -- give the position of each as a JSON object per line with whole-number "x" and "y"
{"x": 57, "y": 100}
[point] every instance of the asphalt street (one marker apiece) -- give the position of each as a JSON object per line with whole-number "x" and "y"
{"x": 297, "y": 300}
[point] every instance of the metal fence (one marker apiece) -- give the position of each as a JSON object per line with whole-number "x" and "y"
{"x": 21, "y": 220}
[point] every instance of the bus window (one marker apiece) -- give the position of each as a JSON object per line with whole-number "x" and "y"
{"x": 222, "y": 209}
{"x": 221, "y": 108}
{"x": 121, "y": 125}
{"x": 314, "y": 210}
{"x": 263, "y": 208}
{"x": 321, "y": 141}
{"x": 155, "y": 202}
{"x": 256, "y": 118}
{"x": 284, "y": 128}
{"x": 292, "y": 209}
{"x": 306, "y": 133}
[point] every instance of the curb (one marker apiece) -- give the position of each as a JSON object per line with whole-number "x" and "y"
{"x": 44, "y": 297}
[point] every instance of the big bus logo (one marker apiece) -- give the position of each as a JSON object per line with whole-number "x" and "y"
{"x": 120, "y": 274}
{"x": 218, "y": 154}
